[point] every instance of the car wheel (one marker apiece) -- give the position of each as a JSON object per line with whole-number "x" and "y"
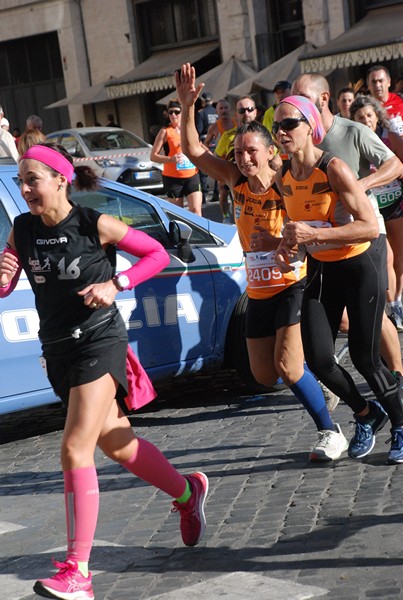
{"x": 236, "y": 351}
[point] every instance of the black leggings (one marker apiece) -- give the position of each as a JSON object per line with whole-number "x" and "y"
{"x": 358, "y": 284}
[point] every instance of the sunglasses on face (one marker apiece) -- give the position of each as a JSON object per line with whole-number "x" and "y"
{"x": 248, "y": 109}
{"x": 174, "y": 112}
{"x": 287, "y": 124}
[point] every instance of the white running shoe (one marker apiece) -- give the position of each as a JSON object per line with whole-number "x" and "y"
{"x": 330, "y": 397}
{"x": 330, "y": 445}
{"x": 396, "y": 317}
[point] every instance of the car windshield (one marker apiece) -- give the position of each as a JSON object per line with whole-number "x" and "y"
{"x": 112, "y": 140}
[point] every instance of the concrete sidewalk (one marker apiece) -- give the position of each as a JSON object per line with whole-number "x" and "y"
{"x": 279, "y": 527}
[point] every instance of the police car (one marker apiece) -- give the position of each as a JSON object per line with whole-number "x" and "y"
{"x": 187, "y": 319}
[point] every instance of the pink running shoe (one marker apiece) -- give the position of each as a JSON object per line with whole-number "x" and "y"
{"x": 68, "y": 583}
{"x": 193, "y": 520}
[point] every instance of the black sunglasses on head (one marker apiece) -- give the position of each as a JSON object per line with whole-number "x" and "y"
{"x": 288, "y": 124}
{"x": 248, "y": 109}
{"x": 174, "y": 111}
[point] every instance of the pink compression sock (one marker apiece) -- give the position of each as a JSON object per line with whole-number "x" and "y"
{"x": 150, "y": 464}
{"x": 82, "y": 503}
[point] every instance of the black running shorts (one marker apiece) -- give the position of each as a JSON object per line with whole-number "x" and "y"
{"x": 180, "y": 187}
{"x": 264, "y": 317}
{"x": 74, "y": 362}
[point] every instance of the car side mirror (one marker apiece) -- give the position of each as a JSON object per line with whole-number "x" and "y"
{"x": 179, "y": 234}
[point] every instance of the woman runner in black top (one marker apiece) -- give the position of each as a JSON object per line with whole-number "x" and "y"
{"x": 65, "y": 251}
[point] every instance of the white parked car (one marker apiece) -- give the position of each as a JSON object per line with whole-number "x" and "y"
{"x": 113, "y": 153}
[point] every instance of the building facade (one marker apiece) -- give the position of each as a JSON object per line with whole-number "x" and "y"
{"x": 96, "y": 57}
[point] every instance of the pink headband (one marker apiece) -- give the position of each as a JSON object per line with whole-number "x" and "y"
{"x": 51, "y": 158}
{"x": 311, "y": 114}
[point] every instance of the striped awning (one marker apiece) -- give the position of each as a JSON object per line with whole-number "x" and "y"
{"x": 157, "y": 72}
{"x": 378, "y": 37}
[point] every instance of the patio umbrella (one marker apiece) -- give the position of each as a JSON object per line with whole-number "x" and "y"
{"x": 286, "y": 68}
{"x": 220, "y": 79}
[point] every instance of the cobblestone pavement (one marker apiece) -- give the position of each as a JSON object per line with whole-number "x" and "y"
{"x": 279, "y": 528}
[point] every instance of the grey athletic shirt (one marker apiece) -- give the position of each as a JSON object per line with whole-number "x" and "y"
{"x": 359, "y": 147}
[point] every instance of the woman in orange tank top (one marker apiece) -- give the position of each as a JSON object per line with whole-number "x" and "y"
{"x": 331, "y": 216}
{"x": 180, "y": 177}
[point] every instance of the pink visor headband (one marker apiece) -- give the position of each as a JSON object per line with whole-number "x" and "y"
{"x": 52, "y": 159}
{"x": 311, "y": 114}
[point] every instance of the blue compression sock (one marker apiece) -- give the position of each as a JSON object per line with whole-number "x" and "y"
{"x": 309, "y": 393}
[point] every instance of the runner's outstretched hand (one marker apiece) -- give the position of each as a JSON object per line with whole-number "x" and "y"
{"x": 185, "y": 80}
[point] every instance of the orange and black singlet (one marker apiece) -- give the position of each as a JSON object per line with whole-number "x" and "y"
{"x": 182, "y": 169}
{"x": 315, "y": 203}
{"x": 264, "y": 278}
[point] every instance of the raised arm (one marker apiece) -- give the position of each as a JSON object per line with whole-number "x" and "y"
{"x": 187, "y": 94}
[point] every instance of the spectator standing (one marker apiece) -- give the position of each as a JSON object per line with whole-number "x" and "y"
{"x": 180, "y": 176}
{"x": 281, "y": 90}
{"x": 398, "y": 87}
{"x": 8, "y": 149}
{"x": 85, "y": 347}
{"x": 111, "y": 121}
{"x": 245, "y": 113}
{"x": 368, "y": 111}
{"x": 345, "y": 98}
{"x": 4, "y": 123}
{"x": 205, "y": 117}
{"x": 34, "y": 122}
{"x": 224, "y": 122}
{"x": 378, "y": 82}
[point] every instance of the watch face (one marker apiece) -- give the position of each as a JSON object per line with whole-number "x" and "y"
{"x": 123, "y": 281}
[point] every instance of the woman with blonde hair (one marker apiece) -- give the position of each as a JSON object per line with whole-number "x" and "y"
{"x": 30, "y": 137}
